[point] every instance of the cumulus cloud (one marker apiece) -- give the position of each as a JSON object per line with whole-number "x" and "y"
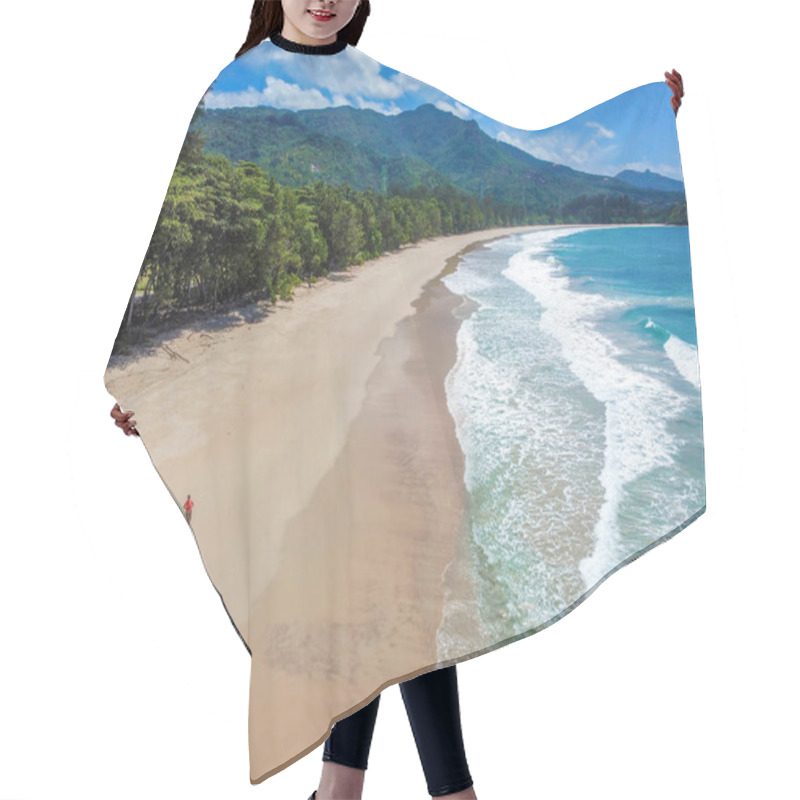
{"x": 558, "y": 148}
{"x": 360, "y": 85}
{"x": 277, "y": 93}
{"x": 579, "y": 148}
{"x": 359, "y": 102}
{"x": 361, "y": 76}
{"x": 457, "y": 109}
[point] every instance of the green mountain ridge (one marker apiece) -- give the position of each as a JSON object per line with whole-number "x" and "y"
{"x": 650, "y": 180}
{"x": 279, "y": 198}
{"x": 423, "y": 147}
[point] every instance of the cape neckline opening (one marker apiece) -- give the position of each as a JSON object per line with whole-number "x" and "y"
{"x": 310, "y": 49}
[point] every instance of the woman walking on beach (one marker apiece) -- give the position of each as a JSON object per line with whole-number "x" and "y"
{"x": 431, "y": 699}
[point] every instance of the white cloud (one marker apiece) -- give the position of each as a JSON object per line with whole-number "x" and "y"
{"x": 588, "y": 151}
{"x": 360, "y": 76}
{"x": 277, "y": 93}
{"x": 457, "y": 109}
{"x": 602, "y": 132}
{"x": 359, "y": 84}
{"x": 558, "y": 148}
{"x": 389, "y": 110}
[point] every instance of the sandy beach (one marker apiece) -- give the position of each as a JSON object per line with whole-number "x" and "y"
{"x": 318, "y": 446}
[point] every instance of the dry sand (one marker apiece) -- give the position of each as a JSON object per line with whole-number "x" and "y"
{"x": 328, "y": 481}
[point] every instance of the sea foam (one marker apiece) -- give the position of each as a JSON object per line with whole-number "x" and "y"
{"x": 684, "y": 356}
{"x": 637, "y": 405}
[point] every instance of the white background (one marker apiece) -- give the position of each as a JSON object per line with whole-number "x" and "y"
{"x": 120, "y": 674}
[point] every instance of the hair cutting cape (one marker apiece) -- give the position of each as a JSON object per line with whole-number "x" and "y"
{"x": 417, "y": 380}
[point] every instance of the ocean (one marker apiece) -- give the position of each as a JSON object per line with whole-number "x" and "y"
{"x": 576, "y": 400}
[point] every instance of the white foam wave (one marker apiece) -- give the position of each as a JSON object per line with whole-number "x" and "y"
{"x": 524, "y": 430}
{"x": 637, "y": 405}
{"x": 684, "y": 356}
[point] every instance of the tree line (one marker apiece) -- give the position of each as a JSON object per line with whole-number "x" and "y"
{"x": 229, "y": 232}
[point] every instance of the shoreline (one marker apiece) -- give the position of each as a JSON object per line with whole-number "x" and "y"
{"x": 328, "y": 479}
{"x": 375, "y": 539}
{"x": 302, "y": 374}
{"x": 188, "y": 342}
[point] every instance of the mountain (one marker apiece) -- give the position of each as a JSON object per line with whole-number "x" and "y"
{"x": 421, "y": 147}
{"x": 650, "y": 180}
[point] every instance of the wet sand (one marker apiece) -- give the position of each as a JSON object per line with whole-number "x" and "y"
{"x": 328, "y": 481}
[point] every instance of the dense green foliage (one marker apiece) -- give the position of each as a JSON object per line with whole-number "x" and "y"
{"x": 231, "y": 232}
{"x": 424, "y": 146}
{"x": 678, "y": 214}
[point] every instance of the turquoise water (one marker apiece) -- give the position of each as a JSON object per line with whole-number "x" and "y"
{"x": 576, "y": 398}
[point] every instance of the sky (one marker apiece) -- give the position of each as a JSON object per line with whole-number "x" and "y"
{"x": 635, "y": 130}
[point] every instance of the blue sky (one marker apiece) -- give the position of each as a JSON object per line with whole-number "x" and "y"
{"x": 635, "y": 130}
